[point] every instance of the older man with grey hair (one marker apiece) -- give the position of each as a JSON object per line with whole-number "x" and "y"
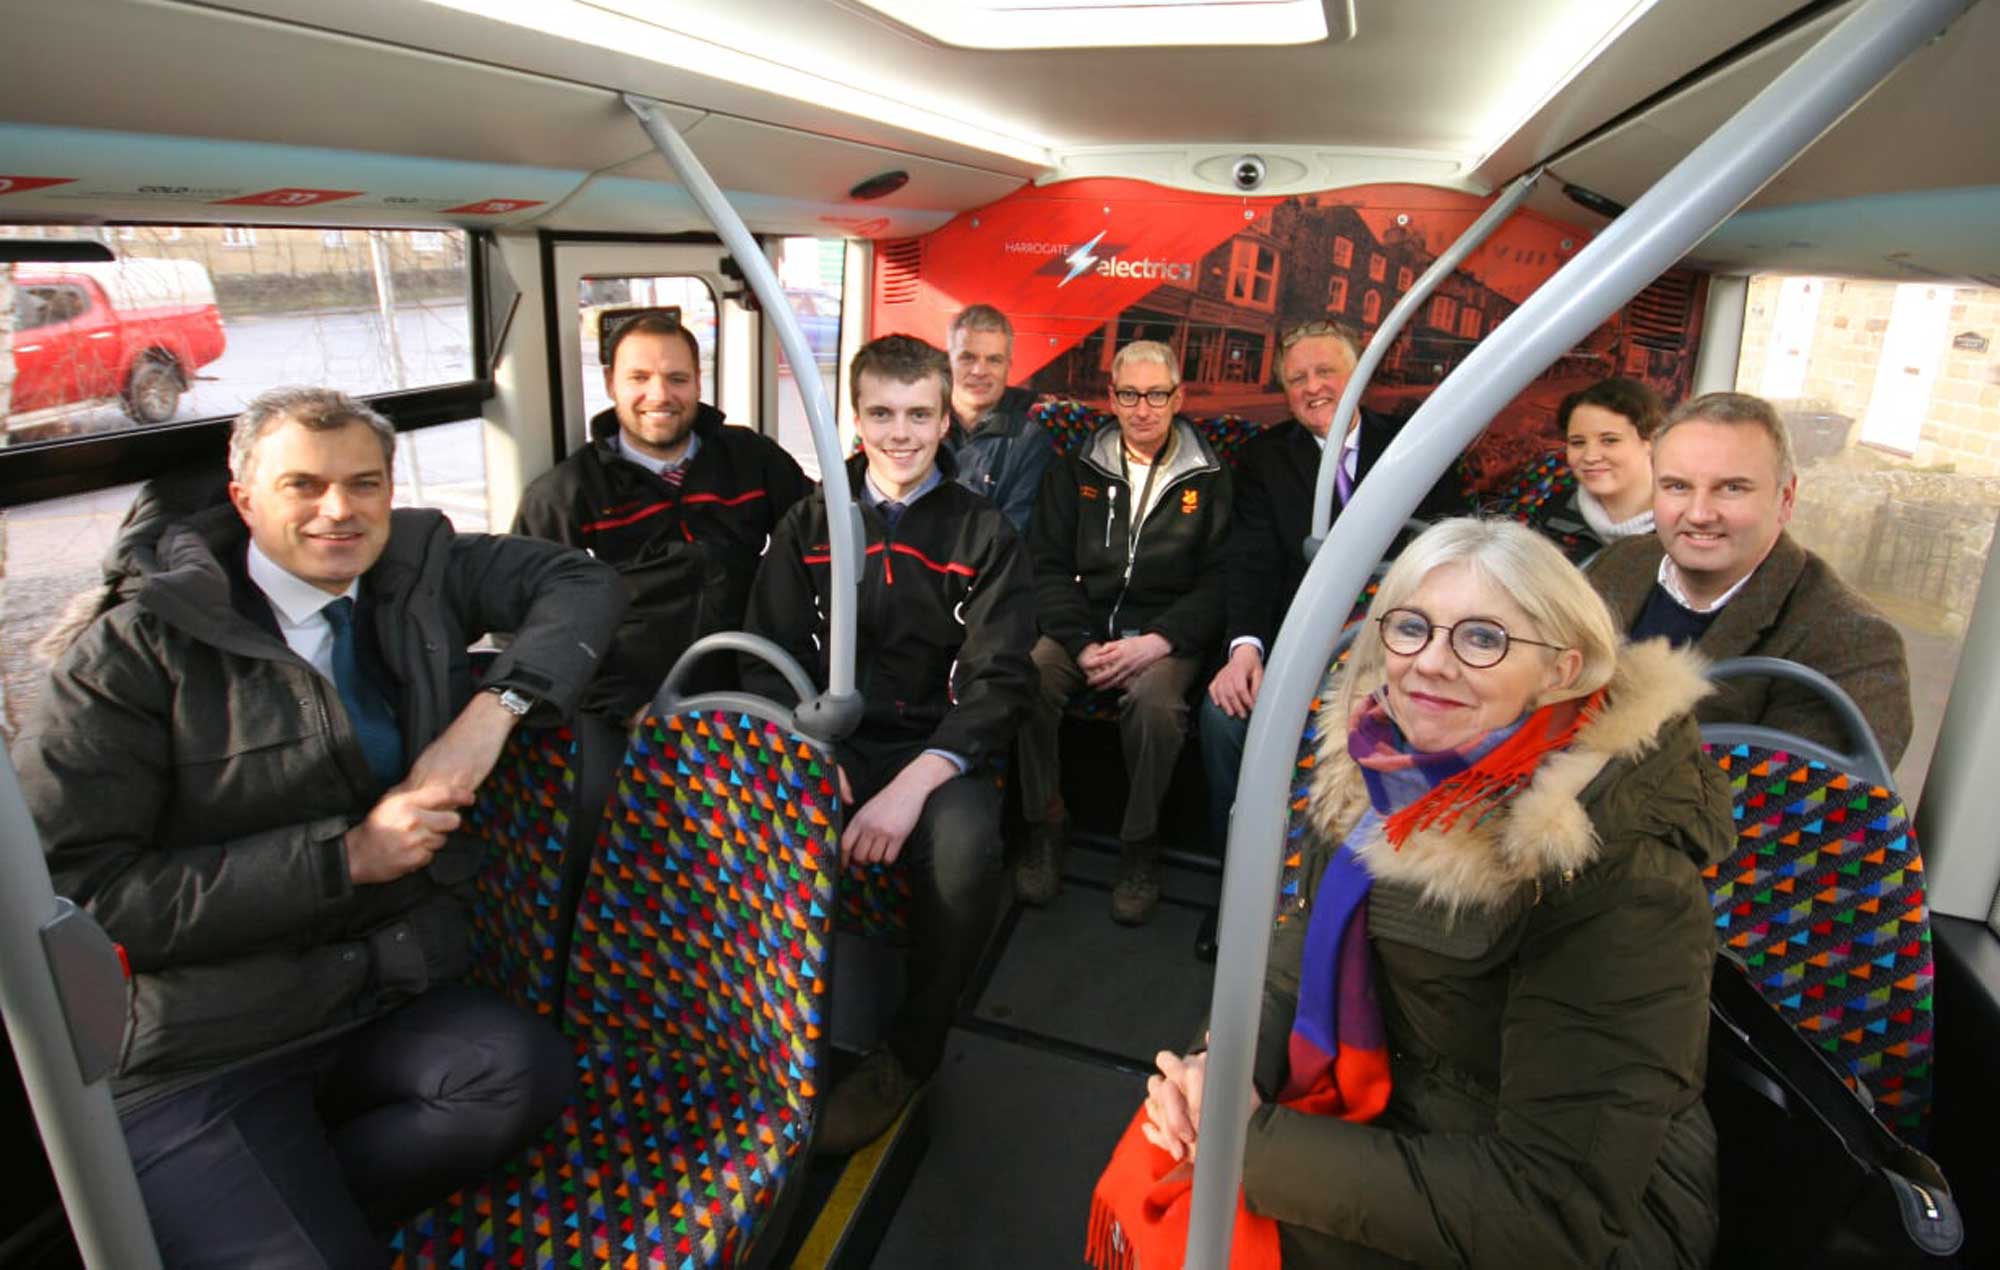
{"x": 997, "y": 451}
{"x": 1128, "y": 541}
{"x": 250, "y": 768}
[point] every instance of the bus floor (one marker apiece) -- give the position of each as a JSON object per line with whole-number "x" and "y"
{"x": 993, "y": 1164}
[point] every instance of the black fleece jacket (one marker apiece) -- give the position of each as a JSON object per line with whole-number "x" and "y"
{"x": 687, "y": 555}
{"x": 1094, "y": 582}
{"x": 945, "y": 622}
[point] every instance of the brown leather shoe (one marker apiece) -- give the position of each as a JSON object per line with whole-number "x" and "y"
{"x": 1038, "y": 876}
{"x": 1138, "y": 889}
{"x": 864, "y": 1104}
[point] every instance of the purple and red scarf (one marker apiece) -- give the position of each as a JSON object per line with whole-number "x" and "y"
{"x": 1337, "y": 1053}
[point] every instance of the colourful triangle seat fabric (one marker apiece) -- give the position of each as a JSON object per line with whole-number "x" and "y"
{"x": 1823, "y": 904}
{"x": 696, "y": 997}
{"x": 523, "y": 815}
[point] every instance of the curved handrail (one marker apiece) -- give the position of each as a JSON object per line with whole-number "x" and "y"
{"x": 668, "y": 699}
{"x": 1385, "y": 335}
{"x": 1866, "y": 757}
{"x": 1684, "y": 207}
{"x": 836, "y": 712}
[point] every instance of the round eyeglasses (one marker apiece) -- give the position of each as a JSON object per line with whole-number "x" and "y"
{"x": 1155, "y": 397}
{"x": 1476, "y": 641}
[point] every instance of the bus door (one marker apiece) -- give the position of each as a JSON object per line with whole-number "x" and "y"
{"x": 590, "y": 277}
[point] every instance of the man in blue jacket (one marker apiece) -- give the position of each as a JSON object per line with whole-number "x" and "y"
{"x": 999, "y": 453}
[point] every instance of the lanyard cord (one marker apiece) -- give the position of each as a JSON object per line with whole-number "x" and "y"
{"x": 1141, "y": 505}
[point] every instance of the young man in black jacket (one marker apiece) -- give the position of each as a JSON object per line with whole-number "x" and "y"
{"x": 945, "y": 621}
{"x": 1128, "y": 543}
{"x": 680, "y": 503}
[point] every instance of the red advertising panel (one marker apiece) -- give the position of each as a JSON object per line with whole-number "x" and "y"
{"x": 289, "y": 197}
{"x": 22, "y": 184}
{"x": 1083, "y": 267}
{"x": 495, "y": 206}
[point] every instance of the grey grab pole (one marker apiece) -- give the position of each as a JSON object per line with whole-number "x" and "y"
{"x": 80, "y": 1132}
{"x": 1677, "y": 213}
{"x": 841, "y": 704}
{"x": 1954, "y": 820}
{"x": 1385, "y": 335}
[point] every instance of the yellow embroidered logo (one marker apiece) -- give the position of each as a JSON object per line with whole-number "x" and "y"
{"x": 1190, "y": 502}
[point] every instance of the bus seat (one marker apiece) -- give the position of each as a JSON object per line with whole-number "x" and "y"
{"x": 1547, "y": 479}
{"x": 1823, "y": 906}
{"x": 697, "y": 992}
{"x": 523, "y": 814}
{"x": 875, "y": 901}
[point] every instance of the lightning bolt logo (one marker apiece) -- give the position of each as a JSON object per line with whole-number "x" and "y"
{"x": 1081, "y": 259}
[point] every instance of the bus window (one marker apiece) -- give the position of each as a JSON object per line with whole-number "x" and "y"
{"x": 691, "y": 295}
{"x": 810, "y": 270}
{"x": 190, "y": 322}
{"x": 1892, "y": 395}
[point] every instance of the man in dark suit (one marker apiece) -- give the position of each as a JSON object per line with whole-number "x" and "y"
{"x": 1275, "y": 478}
{"x": 1719, "y": 572}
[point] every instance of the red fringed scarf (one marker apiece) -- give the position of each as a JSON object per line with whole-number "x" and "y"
{"x": 1499, "y": 774}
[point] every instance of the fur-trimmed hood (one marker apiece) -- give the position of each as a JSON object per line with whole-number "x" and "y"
{"x": 1553, "y": 826}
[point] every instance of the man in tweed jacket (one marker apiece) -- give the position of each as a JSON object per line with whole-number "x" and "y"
{"x": 1720, "y": 573}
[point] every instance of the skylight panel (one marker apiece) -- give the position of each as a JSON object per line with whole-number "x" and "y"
{"x": 1044, "y": 24}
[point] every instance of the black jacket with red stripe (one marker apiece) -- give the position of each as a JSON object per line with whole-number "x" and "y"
{"x": 946, "y": 619}
{"x": 687, "y": 555}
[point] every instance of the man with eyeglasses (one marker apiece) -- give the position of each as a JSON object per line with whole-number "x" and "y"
{"x": 680, "y": 503}
{"x": 1127, "y": 538}
{"x": 1275, "y": 476}
{"x": 998, "y": 452}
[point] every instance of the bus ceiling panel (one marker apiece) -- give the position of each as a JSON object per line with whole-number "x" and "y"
{"x": 755, "y": 158}
{"x": 613, "y": 204}
{"x": 587, "y": 44}
{"x": 1430, "y": 76}
{"x": 1922, "y": 236}
{"x": 94, "y": 175}
{"x": 132, "y": 66}
{"x": 1926, "y": 128}
{"x": 1662, "y": 44}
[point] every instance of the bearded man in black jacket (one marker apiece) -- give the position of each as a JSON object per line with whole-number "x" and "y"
{"x": 941, "y": 647}
{"x": 677, "y": 500}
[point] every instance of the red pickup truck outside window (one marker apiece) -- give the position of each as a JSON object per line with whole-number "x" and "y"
{"x": 134, "y": 331}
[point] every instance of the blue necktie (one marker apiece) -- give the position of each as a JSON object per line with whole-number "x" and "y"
{"x": 892, "y": 511}
{"x": 1343, "y": 484}
{"x": 367, "y": 709}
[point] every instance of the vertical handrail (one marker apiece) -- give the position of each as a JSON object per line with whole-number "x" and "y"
{"x": 80, "y": 1131}
{"x": 1385, "y": 335}
{"x": 1954, "y": 819}
{"x": 835, "y": 712}
{"x": 1677, "y": 213}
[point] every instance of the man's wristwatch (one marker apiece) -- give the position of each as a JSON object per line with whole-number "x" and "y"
{"x": 513, "y": 701}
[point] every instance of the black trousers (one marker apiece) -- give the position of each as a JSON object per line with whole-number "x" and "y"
{"x": 953, "y": 856}
{"x": 308, "y": 1159}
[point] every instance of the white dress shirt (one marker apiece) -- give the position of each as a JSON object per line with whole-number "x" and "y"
{"x": 300, "y": 608}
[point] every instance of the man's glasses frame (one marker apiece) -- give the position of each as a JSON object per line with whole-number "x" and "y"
{"x": 1157, "y": 398}
{"x": 1471, "y": 654}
